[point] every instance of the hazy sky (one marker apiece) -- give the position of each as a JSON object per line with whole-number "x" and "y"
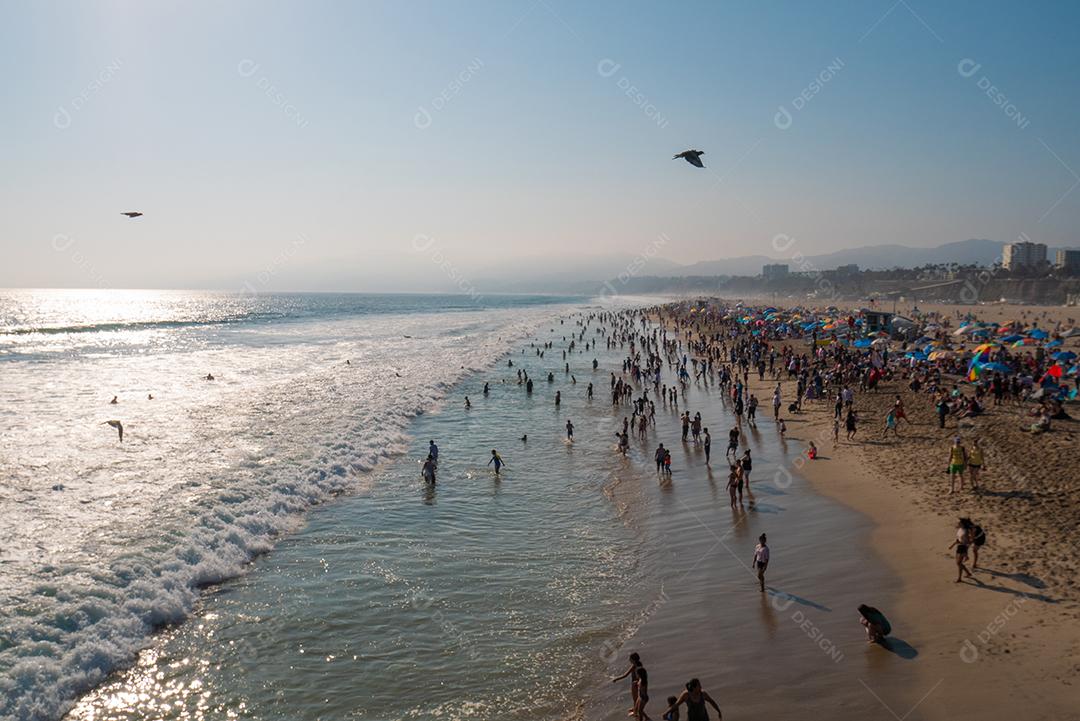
{"x": 343, "y": 144}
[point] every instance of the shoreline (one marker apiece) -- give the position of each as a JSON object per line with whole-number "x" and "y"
{"x": 1021, "y": 639}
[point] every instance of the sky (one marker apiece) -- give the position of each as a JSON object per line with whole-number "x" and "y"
{"x": 391, "y": 145}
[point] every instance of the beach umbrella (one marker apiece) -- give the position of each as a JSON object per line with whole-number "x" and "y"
{"x": 941, "y": 355}
{"x": 995, "y": 367}
{"x": 1055, "y": 371}
{"x": 963, "y": 330}
{"x": 1018, "y": 343}
{"x": 1065, "y": 355}
{"x": 880, "y": 342}
{"x": 986, "y": 346}
{"x": 1071, "y": 333}
{"x": 1012, "y": 338}
{"x": 1054, "y": 343}
{"x": 863, "y": 343}
{"x": 1038, "y": 334}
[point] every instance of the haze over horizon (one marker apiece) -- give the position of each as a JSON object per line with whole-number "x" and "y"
{"x": 373, "y": 146}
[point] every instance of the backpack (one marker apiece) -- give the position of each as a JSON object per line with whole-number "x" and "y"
{"x": 978, "y": 535}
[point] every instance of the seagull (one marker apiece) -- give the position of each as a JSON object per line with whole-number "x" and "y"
{"x": 132, "y": 214}
{"x": 118, "y": 426}
{"x": 691, "y": 156}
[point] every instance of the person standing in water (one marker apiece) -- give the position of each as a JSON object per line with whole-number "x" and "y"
{"x": 569, "y": 430}
{"x": 695, "y": 699}
{"x": 708, "y": 446}
{"x": 639, "y": 686}
{"x": 497, "y": 460}
{"x": 761, "y": 560}
{"x": 558, "y": 398}
{"x": 428, "y": 471}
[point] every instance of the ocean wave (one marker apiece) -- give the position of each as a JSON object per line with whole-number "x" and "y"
{"x": 69, "y": 625}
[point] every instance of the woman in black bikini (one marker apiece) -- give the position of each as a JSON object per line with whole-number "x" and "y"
{"x": 695, "y": 699}
{"x": 639, "y": 687}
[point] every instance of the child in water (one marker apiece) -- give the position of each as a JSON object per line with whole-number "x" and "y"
{"x": 673, "y": 714}
{"x": 497, "y": 460}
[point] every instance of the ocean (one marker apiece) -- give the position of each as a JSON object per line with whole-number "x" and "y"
{"x": 261, "y": 545}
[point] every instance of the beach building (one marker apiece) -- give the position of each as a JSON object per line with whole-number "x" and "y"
{"x": 774, "y": 270}
{"x": 875, "y": 321}
{"x": 1023, "y": 256}
{"x": 1068, "y": 260}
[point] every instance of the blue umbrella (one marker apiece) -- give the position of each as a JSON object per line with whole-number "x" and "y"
{"x": 863, "y": 343}
{"x": 1011, "y": 338}
{"x": 995, "y": 367}
{"x": 1038, "y": 334}
{"x": 1065, "y": 355}
{"x": 1054, "y": 343}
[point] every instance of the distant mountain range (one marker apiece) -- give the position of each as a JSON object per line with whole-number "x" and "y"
{"x": 580, "y": 274}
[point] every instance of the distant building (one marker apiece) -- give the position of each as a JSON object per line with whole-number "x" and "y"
{"x": 775, "y": 270}
{"x": 1068, "y": 260}
{"x": 1024, "y": 256}
{"x": 851, "y": 269}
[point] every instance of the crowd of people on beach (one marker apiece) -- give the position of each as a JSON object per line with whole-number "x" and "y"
{"x": 721, "y": 347}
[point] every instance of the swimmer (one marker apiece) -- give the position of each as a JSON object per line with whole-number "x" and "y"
{"x": 525, "y": 438}
{"x": 149, "y": 396}
{"x": 209, "y": 376}
{"x": 468, "y": 403}
{"x": 114, "y": 401}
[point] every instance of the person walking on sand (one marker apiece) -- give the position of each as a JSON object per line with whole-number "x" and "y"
{"x": 974, "y": 463}
{"x": 890, "y": 424}
{"x": 963, "y": 540}
{"x": 761, "y": 560}
{"x": 497, "y": 460}
{"x": 957, "y": 463}
{"x": 850, "y": 422}
{"x": 733, "y": 483}
{"x": 695, "y": 699}
{"x": 733, "y": 443}
{"x": 639, "y": 686}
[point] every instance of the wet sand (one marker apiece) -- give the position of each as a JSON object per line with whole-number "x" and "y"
{"x": 799, "y": 647}
{"x": 1005, "y": 646}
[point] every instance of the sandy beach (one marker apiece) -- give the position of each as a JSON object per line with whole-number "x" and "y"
{"x": 1004, "y": 645}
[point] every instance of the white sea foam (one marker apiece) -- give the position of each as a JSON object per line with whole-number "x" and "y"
{"x": 104, "y": 542}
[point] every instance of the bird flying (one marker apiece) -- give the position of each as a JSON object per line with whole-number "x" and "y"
{"x": 691, "y": 156}
{"x": 118, "y": 426}
{"x": 132, "y": 214}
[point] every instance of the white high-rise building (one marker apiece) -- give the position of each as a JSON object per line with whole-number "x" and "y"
{"x": 1024, "y": 256}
